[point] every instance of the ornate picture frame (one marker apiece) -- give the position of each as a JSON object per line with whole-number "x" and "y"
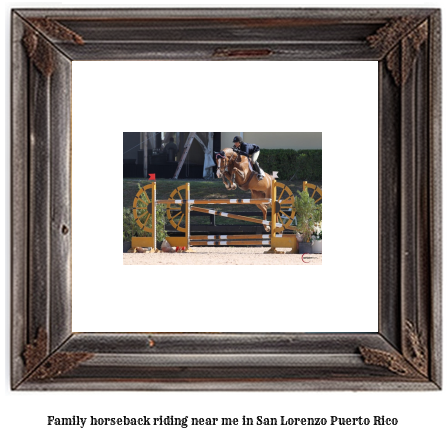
{"x": 405, "y": 353}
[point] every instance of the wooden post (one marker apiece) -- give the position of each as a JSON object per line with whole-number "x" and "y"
{"x": 282, "y": 240}
{"x": 154, "y": 215}
{"x": 273, "y": 221}
{"x": 148, "y": 242}
{"x": 182, "y": 241}
{"x": 145, "y": 154}
{"x": 187, "y": 215}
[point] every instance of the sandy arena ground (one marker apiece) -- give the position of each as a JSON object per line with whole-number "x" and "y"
{"x": 222, "y": 256}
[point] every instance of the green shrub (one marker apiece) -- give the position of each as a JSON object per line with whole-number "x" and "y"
{"x": 131, "y": 229}
{"x": 161, "y": 222}
{"x": 318, "y": 215}
{"x": 305, "y": 164}
{"x": 307, "y": 213}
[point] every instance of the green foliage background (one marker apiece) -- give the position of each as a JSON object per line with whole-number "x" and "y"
{"x": 305, "y": 164}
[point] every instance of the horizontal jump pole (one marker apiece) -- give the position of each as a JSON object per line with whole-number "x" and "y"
{"x": 233, "y": 216}
{"x": 232, "y": 237}
{"x": 230, "y": 242}
{"x": 214, "y": 201}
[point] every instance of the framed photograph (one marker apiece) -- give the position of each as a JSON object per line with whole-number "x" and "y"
{"x": 51, "y": 352}
{"x": 214, "y": 201}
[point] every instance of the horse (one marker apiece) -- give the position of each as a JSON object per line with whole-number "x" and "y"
{"x": 237, "y": 169}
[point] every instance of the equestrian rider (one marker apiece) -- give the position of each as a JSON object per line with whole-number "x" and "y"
{"x": 250, "y": 151}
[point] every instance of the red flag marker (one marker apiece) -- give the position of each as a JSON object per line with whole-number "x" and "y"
{"x": 151, "y": 177}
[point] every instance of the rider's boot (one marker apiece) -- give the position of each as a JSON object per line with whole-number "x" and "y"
{"x": 259, "y": 171}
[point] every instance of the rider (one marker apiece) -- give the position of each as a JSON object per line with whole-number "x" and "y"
{"x": 250, "y": 151}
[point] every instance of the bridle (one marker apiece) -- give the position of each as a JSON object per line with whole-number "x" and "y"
{"x": 226, "y": 160}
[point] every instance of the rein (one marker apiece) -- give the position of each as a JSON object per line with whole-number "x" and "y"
{"x": 231, "y": 159}
{"x": 227, "y": 161}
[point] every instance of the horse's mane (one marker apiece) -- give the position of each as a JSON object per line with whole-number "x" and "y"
{"x": 230, "y": 152}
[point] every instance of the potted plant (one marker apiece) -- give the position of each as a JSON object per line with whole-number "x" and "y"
{"x": 317, "y": 239}
{"x": 305, "y": 212}
{"x": 317, "y": 235}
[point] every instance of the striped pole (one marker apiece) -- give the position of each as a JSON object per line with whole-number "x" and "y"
{"x": 215, "y": 201}
{"x": 232, "y": 240}
{"x": 231, "y": 243}
{"x": 231, "y": 237}
{"x": 232, "y": 216}
{"x": 225, "y": 240}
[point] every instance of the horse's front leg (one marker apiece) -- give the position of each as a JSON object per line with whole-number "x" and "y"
{"x": 225, "y": 177}
{"x": 235, "y": 171}
{"x": 227, "y": 185}
{"x": 231, "y": 180}
{"x": 263, "y": 208}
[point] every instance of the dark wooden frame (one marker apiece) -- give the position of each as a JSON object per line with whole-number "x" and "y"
{"x": 405, "y": 354}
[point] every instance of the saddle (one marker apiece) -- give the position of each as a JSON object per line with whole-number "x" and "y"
{"x": 256, "y": 168}
{"x": 253, "y": 169}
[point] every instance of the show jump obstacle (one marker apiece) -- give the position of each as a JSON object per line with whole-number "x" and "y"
{"x": 316, "y": 192}
{"x": 180, "y": 204}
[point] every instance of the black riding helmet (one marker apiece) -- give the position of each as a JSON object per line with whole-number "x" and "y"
{"x": 237, "y": 139}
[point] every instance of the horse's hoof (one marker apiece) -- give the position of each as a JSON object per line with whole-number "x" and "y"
{"x": 267, "y": 229}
